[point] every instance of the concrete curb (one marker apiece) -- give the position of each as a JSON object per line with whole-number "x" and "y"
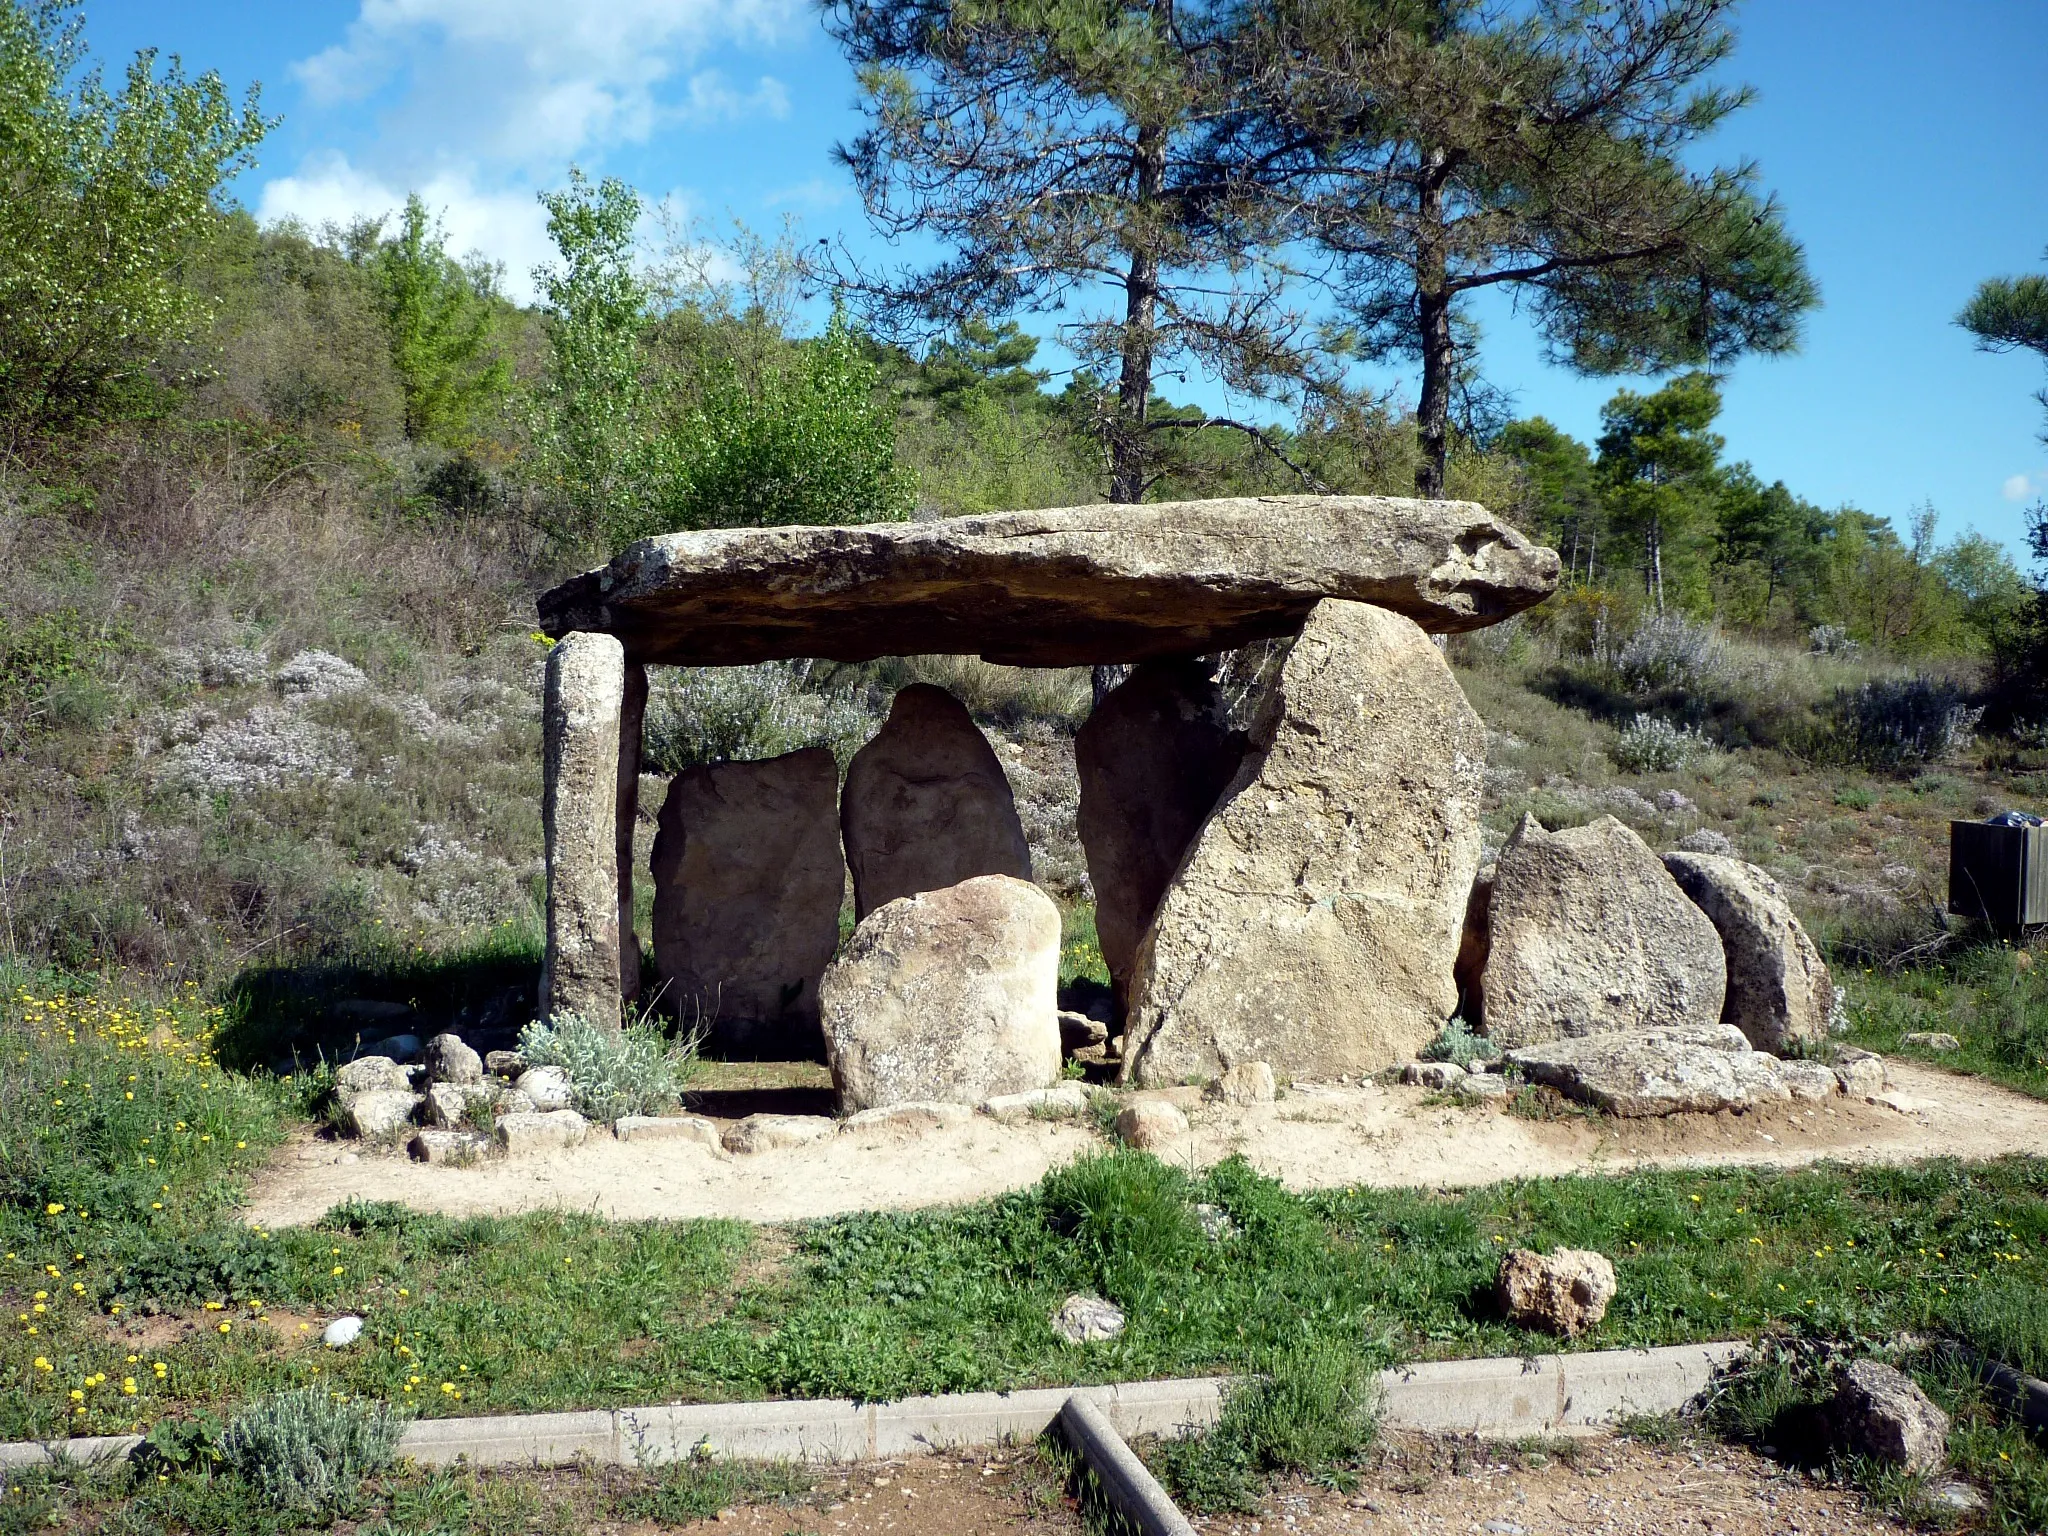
{"x": 1125, "y": 1480}
{"x": 1500, "y": 1399}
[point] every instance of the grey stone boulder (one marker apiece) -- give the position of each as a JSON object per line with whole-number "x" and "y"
{"x": 543, "y": 1131}
{"x": 1315, "y": 923}
{"x": 1589, "y": 934}
{"x": 1642, "y": 1072}
{"x": 457, "y": 1147}
{"x": 376, "y": 1114}
{"x": 927, "y": 805}
{"x": 1066, "y": 1099}
{"x": 371, "y": 1074}
{"x": 638, "y": 1128}
{"x": 949, "y": 995}
{"x": 1931, "y": 1040}
{"x": 548, "y": 1087}
{"x": 1809, "y": 1081}
{"x": 455, "y": 1106}
{"x": 505, "y": 1064}
{"x": 1882, "y": 1413}
{"x": 1860, "y": 1072}
{"x": 1249, "y": 1082}
{"x": 747, "y": 883}
{"x": 774, "y": 1133}
{"x": 1440, "y": 1075}
{"x": 1564, "y": 1292}
{"x": 1056, "y": 587}
{"x": 1779, "y": 990}
{"x": 1150, "y": 1124}
{"x": 1152, "y": 759}
{"x": 448, "y": 1060}
{"x": 512, "y": 1102}
{"x": 1087, "y": 1320}
{"x": 583, "y": 696}
{"x": 911, "y": 1118}
{"x": 1479, "y": 1088}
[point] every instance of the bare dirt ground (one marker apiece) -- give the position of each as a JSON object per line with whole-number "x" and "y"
{"x": 1625, "y": 1487}
{"x": 1313, "y": 1137}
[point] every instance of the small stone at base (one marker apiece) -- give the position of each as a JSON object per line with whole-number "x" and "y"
{"x": 447, "y": 1146}
{"x": 668, "y": 1128}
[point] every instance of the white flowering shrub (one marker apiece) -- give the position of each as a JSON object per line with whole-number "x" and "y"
{"x": 1669, "y": 651}
{"x": 741, "y": 714}
{"x": 1651, "y": 744}
{"x": 632, "y": 1071}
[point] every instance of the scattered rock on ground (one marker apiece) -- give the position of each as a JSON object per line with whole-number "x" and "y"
{"x": 1861, "y": 1072}
{"x": 450, "y": 1106}
{"x": 1475, "y": 1087}
{"x": 506, "y": 1064}
{"x": 669, "y": 1128}
{"x": 342, "y": 1332}
{"x": 1932, "y": 1040}
{"x": 1779, "y": 990}
{"x": 771, "y": 1133}
{"x": 1153, "y": 758}
{"x": 1065, "y": 1099}
{"x": 1564, "y": 1292}
{"x": 443, "y": 1145}
{"x": 1315, "y": 922}
{"x": 448, "y": 1060}
{"x": 371, "y": 1074}
{"x": 1215, "y": 1221}
{"x": 1087, "y": 1320}
{"x": 1249, "y": 1082}
{"x": 380, "y": 1112}
{"x": 1809, "y": 1080}
{"x": 1882, "y": 1413}
{"x": 1656, "y": 1071}
{"x": 1150, "y": 1124}
{"x": 543, "y": 1131}
{"x": 909, "y": 1117}
{"x": 949, "y": 994}
{"x": 926, "y": 805}
{"x": 747, "y": 882}
{"x": 1589, "y": 934}
{"x": 548, "y": 1087}
{"x": 1440, "y": 1075}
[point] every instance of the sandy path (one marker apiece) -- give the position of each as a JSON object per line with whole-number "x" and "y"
{"x": 1314, "y": 1137}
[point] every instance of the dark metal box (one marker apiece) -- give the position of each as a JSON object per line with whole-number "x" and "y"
{"x": 1998, "y": 875}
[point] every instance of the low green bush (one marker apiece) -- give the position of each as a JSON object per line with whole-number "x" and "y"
{"x": 308, "y": 1449}
{"x": 632, "y": 1071}
{"x": 1310, "y": 1410}
{"x": 1457, "y": 1044}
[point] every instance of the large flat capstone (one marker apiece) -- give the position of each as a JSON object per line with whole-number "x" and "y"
{"x": 1060, "y": 587}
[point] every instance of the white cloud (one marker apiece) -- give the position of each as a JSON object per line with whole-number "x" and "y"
{"x": 2018, "y": 487}
{"x": 507, "y": 226}
{"x": 817, "y": 192}
{"x": 534, "y": 83}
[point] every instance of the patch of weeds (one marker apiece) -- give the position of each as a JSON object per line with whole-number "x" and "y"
{"x": 1103, "y": 1108}
{"x": 613, "y": 1072}
{"x": 1539, "y": 1101}
{"x": 1992, "y": 998}
{"x": 1457, "y": 1044}
{"x": 1098, "y": 1516}
{"x": 1311, "y": 1411}
{"x": 1856, "y": 797}
{"x": 698, "y": 1487}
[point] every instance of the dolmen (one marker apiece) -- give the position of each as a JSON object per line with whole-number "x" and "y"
{"x": 1294, "y": 893}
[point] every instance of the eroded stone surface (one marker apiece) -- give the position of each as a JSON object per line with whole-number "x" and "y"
{"x": 1564, "y": 1292}
{"x": 772, "y": 1133}
{"x": 1588, "y": 933}
{"x": 584, "y": 692}
{"x": 949, "y": 995}
{"x": 1779, "y": 991}
{"x": 449, "y": 1060}
{"x": 1059, "y": 587}
{"x": 926, "y": 804}
{"x": 1150, "y": 1124}
{"x": 377, "y": 1113}
{"x": 1249, "y": 1082}
{"x": 547, "y": 1130}
{"x": 1881, "y": 1412}
{"x": 747, "y": 882}
{"x": 669, "y": 1128}
{"x": 1315, "y": 923}
{"x": 1640, "y": 1072}
{"x": 1153, "y": 759}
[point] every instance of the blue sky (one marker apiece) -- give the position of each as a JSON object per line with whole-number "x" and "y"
{"x": 1908, "y": 140}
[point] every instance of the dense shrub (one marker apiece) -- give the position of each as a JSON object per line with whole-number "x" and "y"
{"x": 740, "y": 714}
{"x": 1310, "y": 1411}
{"x": 307, "y": 1449}
{"x": 1652, "y": 745}
{"x": 1895, "y": 723}
{"x": 634, "y": 1071}
{"x": 1668, "y": 651}
{"x": 1458, "y": 1045}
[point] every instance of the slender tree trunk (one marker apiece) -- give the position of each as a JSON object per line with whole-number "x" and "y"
{"x": 1656, "y": 570}
{"x": 1433, "y": 317}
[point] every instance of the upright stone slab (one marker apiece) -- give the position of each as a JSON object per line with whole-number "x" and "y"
{"x": 948, "y": 996}
{"x": 1589, "y": 935}
{"x": 585, "y": 689}
{"x": 1153, "y": 759}
{"x": 632, "y": 734}
{"x": 747, "y": 881}
{"x": 1780, "y": 992}
{"x": 1315, "y": 923}
{"x": 926, "y": 804}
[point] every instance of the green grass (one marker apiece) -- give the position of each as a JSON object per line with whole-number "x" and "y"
{"x": 1080, "y": 948}
{"x": 1993, "y": 999}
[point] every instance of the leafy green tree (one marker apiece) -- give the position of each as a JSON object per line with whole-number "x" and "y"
{"x": 1059, "y": 149}
{"x": 1563, "y": 494}
{"x": 2007, "y": 313}
{"x": 106, "y": 195}
{"x": 1657, "y": 461}
{"x": 1442, "y": 148}
{"x": 1769, "y": 547}
{"x": 809, "y": 443}
{"x": 442, "y": 320}
{"x": 589, "y": 420}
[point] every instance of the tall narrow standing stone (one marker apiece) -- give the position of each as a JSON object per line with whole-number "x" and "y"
{"x": 632, "y": 732}
{"x": 1153, "y": 759}
{"x": 585, "y": 690}
{"x": 927, "y": 805}
{"x": 747, "y": 881}
{"x": 1315, "y": 924}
